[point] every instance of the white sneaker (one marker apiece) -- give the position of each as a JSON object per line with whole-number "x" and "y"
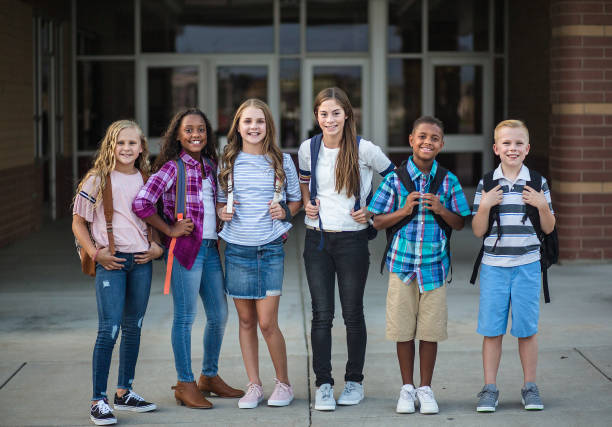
{"x": 405, "y": 403}
{"x": 324, "y": 400}
{"x": 426, "y": 400}
{"x": 352, "y": 394}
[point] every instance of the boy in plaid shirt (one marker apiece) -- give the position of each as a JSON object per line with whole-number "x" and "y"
{"x": 418, "y": 259}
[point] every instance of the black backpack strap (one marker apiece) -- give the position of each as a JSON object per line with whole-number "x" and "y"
{"x": 315, "y": 147}
{"x": 488, "y": 183}
{"x": 405, "y": 180}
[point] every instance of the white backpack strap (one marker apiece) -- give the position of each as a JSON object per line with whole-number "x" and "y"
{"x": 278, "y": 191}
{"x": 230, "y": 194}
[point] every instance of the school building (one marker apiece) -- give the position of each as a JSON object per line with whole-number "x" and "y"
{"x": 70, "y": 67}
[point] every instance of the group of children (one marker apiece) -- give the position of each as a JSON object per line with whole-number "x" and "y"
{"x": 249, "y": 197}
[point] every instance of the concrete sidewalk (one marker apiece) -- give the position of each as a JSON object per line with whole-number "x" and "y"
{"x": 48, "y": 324}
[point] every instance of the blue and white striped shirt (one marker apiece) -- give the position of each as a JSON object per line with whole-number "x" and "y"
{"x": 253, "y": 177}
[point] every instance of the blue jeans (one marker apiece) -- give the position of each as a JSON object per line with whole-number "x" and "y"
{"x": 205, "y": 278}
{"x": 122, "y": 297}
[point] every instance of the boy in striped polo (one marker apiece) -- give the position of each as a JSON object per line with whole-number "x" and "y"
{"x": 510, "y": 272}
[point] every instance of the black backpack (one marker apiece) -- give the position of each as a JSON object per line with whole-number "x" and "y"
{"x": 549, "y": 243}
{"x": 404, "y": 177}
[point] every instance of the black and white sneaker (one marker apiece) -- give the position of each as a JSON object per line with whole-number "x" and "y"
{"x": 131, "y": 401}
{"x": 101, "y": 414}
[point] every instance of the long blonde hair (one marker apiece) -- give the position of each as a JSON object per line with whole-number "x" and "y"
{"x": 234, "y": 143}
{"x": 105, "y": 160}
{"x": 347, "y": 164}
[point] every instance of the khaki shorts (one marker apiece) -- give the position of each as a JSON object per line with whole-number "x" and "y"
{"x": 412, "y": 315}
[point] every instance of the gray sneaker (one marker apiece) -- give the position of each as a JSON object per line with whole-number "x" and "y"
{"x": 324, "y": 398}
{"x": 530, "y": 396}
{"x": 352, "y": 393}
{"x": 488, "y": 398}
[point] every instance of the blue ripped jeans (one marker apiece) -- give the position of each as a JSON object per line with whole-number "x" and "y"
{"x": 206, "y": 280}
{"x": 122, "y": 297}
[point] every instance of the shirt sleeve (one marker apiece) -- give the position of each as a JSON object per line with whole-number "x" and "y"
{"x": 383, "y": 201}
{"x": 374, "y": 157}
{"x": 304, "y": 162}
{"x": 145, "y": 203}
{"x": 85, "y": 200}
{"x": 293, "y": 186}
{"x": 456, "y": 201}
{"x": 477, "y": 197}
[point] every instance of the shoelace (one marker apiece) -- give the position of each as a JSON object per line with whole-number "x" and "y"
{"x": 426, "y": 395}
{"x": 283, "y": 386}
{"x": 325, "y": 392}
{"x": 488, "y": 393}
{"x": 349, "y": 387}
{"x": 252, "y": 389}
{"x": 532, "y": 393}
{"x": 132, "y": 395}
{"x": 407, "y": 394}
{"x": 103, "y": 407}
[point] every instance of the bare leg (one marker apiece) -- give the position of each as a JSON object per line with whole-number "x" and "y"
{"x": 267, "y": 314}
{"x": 405, "y": 357}
{"x": 491, "y": 356}
{"x": 427, "y": 356}
{"x": 528, "y": 352}
{"x": 247, "y": 332}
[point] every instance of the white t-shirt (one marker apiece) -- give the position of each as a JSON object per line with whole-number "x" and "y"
{"x": 335, "y": 208}
{"x": 209, "y": 228}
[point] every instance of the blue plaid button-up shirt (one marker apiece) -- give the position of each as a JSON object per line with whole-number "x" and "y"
{"x": 419, "y": 249}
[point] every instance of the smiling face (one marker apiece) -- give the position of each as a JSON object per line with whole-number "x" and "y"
{"x": 128, "y": 147}
{"x": 252, "y": 127}
{"x": 426, "y": 140}
{"x": 331, "y": 117}
{"x": 512, "y": 146}
{"x": 192, "y": 135}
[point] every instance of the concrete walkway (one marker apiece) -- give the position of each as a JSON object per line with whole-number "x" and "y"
{"x": 48, "y": 325}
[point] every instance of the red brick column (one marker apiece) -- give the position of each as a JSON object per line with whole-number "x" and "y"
{"x": 581, "y": 127}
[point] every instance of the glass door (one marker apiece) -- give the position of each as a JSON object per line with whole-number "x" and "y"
{"x": 350, "y": 75}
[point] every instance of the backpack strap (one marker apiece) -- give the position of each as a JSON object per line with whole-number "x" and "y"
{"x": 434, "y": 186}
{"x": 107, "y": 201}
{"x": 179, "y": 213}
{"x": 315, "y": 147}
{"x": 488, "y": 183}
{"x": 145, "y": 178}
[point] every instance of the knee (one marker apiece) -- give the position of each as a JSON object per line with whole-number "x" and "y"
{"x": 247, "y": 323}
{"x": 108, "y": 333}
{"x": 322, "y": 318}
{"x": 353, "y": 316}
{"x": 268, "y": 327}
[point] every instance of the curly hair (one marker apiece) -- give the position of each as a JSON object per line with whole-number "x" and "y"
{"x": 105, "y": 161}
{"x": 171, "y": 146}
{"x": 234, "y": 143}
{"x": 347, "y": 164}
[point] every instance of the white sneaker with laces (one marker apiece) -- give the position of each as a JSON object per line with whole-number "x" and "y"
{"x": 405, "y": 403}
{"x": 426, "y": 400}
{"x": 352, "y": 393}
{"x": 324, "y": 398}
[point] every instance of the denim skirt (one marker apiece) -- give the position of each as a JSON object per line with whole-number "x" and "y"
{"x": 254, "y": 272}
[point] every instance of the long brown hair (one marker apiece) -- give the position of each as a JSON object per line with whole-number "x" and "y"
{"x": 105, "y": 161}
{"x": 234, "y": 143}
{"x": 171, "y": 146}
{"x": 347, "y": 164}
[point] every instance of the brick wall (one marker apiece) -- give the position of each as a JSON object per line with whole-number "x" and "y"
{"x": 581, "y": 127}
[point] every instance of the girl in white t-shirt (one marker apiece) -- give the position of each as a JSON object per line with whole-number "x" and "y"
{"x": 336, "y": 242}
{"x": 258, "y": 195}
{"x": 123, "y": 277}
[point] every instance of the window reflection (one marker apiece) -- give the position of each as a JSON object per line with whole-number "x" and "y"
{"x": 170, "y": 89}
{"x": 337, "y": 26}
{"x": 105, "y": 28}
{"x": 404, "y": 26}
{"x": 458, "y": 98}
{"x": 290, "y": 102}
{"x": 188, "y": 26}
{"x": 348, "y": 78}
{"x": 289, "y": 27}
{"x": 461, "y": 25}
{"x": 404, "y": 94}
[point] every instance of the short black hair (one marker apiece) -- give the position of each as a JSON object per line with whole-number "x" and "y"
{"x": 429, "y": 120}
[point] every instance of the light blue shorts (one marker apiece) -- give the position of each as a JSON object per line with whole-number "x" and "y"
{"x": 254, "y": 272}
{"x": 502, "y": 287}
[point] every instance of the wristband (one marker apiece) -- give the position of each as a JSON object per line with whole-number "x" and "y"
{"x": 96, "y": 254}
{"x": 287, "y": 211}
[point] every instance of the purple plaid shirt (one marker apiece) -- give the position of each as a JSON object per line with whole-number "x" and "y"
{"x": 163, "y": 184}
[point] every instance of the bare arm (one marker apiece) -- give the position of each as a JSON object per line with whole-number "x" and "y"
{"x": 178, "y": 229}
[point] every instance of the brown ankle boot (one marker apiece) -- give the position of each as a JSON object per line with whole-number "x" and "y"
{"x": 216, "y": 385}
{"x": 187, "y": 394}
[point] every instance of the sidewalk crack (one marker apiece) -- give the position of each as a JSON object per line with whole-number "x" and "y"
{"x": 11, "y": 377}
{"x": 593, "y": 364}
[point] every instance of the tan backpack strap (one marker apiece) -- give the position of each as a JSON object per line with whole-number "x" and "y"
{"x": 107, "y": 201}
{"x": 145, "y": 178}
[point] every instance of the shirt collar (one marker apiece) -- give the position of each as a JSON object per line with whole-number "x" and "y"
{"x": 188, "y": 159}
{"x": 523, "y": 174}
{"x": 415, "y": 172}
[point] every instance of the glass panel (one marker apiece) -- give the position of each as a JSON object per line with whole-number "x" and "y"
{"x": 235, "y": 84}
{"x": 458, "y": 98}
{"x": 105, "y": 94}
{"x": 337, "y": 26}
{"x": 461, "y": 25}
{"x": 404, "y": 26}
{"x": 499, "y": 91}
{"x": 169, "y": 89}
{"x": 346, "y": 77}
{"x": 105, "y": 28}
{"x": 193, "y": 26}
{"x": 290, "y": 103}
{"x": 290, "y": 26}
{"x": 404, "y": 95}
{"x": 500, "y": 30}
{"x": 466, "y": 166}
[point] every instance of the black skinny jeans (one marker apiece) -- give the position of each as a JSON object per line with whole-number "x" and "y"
{"x": 346, "y": 255}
